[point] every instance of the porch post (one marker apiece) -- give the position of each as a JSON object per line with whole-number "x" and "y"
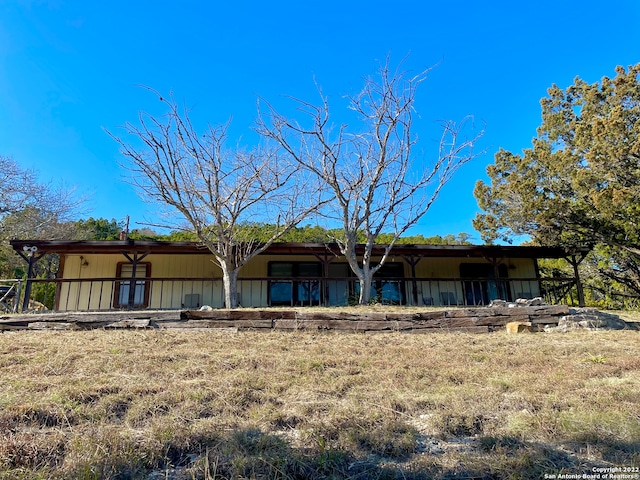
{"x": 324, "y": 261}
{"x": 536, "y": 267}
{"x": 412, "y": 261}
{"x": 29, "y": 256}
{"x": 502, "y": 286}
{"x": 132, "y": 286}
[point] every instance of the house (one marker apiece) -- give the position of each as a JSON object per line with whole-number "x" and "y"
{"x": 108, "y": 275}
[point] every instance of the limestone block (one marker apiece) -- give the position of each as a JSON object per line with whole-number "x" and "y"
{"x": 519, "y": 327}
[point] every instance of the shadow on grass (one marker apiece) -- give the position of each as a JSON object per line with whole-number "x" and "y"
{"x": 254, "y": 454}
{"x": 355, "y": 453}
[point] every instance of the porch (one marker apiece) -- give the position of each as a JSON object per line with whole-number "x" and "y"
{"x": 112, "y": 294}
{"x": 137, "y": 275}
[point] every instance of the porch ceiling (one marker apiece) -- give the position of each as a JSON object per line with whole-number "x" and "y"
{"x": 191, "y": 248}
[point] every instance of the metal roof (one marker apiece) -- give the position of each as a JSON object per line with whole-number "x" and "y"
{"x": 185, "y": 248}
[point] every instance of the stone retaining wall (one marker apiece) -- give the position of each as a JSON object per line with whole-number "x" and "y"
{"x": 481, "y": 319}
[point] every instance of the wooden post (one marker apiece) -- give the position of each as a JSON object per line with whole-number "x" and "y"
{"x": 502, "y": 286}
{"x": 27, "y": 288}
{"x": 132, "y": 286}
{"x": 412, "y": 261}
{"x": 28, "y": 255}
{"x": 324, "y": 293}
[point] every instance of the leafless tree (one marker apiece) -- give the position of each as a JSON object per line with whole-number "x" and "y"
{"x": 32, "y": 209}
{"x": 372, "y": 177}
{"x": 216, "y": 192}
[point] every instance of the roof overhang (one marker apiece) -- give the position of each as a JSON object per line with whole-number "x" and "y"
{"x": 191, "y": 248}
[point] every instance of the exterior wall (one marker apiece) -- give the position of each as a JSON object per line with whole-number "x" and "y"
{"x": 199, "y": 282}
{"x": 524, "y": 268}
{"x": 98, "y": 295}
{"x": 200, "y": 288}
{"x": 440, "y": 280}
{"x": 94, "y": 295}
{"x": 256, "y": 292}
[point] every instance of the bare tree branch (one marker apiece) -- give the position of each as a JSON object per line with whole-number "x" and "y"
{"x": 218, "y": 192}
{"x": 371, "y": 178}
{"x": 31, "y": 209}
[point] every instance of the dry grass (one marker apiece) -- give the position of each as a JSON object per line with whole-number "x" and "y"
{"x": 210, "y": 404}
{"x": 632, "y": 316}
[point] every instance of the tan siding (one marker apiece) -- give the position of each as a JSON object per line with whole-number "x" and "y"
{"x": 450, "y": 267}
{"x": 523, "y": 268}
{"x": 437, "y": 291}
{"x": 95, "y": 295}
{"x": 173, "y": 294}
{"x": 164, "y": 294}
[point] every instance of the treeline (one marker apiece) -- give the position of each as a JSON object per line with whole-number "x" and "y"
{"x": 103, "y": 229}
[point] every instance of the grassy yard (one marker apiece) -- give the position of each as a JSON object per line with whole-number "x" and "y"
{"x": 216, "y": 404}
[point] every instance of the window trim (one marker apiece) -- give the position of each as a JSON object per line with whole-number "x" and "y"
{"x": 294, "y": 300}
{"x": 393, "y": 273}
{"x": 121, "y": 280}
{"x": 479, "y": 278}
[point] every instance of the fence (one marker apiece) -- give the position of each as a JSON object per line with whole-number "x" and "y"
{"x": 98, "y": 294}
{"x": 10, "y": 293}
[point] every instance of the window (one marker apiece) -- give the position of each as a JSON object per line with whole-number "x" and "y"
{"x": 140, "y": 294}
{"x": 338, "y": 284}
{"x": 301, "y": 286}
{"x": 388, "y": 284}
{"x": 481, "y": 285}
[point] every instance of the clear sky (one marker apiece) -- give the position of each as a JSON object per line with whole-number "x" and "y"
{"x": 68, "y": 69}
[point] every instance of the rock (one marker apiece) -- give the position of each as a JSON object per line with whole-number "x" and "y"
{"x": 588, "y": 319}
{"x": 530, "y": 302}
{"x": 206, "y": 308}
{"x": 52, "y": 326}
{"x": 498, "y": 303}
{"x": 519, "y": 327}
{"x": 520, "y": 302}
{"x": 35, "y": 306}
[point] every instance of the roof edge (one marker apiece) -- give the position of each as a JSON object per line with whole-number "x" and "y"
{"x": 160, "y": 247}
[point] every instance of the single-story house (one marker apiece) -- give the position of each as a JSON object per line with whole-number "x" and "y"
{"x": 108, "y": 275}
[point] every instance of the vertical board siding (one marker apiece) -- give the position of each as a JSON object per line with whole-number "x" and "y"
{"x": 438, "y": 280}
{"x": 173, "y": 294}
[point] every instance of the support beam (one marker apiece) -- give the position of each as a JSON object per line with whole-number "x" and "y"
{"x": 30, "y": 256}
{"x": 137, "y": 257}
{"x": 325, "y": 260}
{"x": 413, "y": 260}
{"x": 502, "y": 287}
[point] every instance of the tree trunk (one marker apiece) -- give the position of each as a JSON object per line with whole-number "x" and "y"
{"x": 365, "y": 289}
{"x": 230, "y": 284}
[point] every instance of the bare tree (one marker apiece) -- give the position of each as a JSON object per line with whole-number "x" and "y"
{"x": 372, "y": 177}
{"x": 220, "y": 193}
{"x": 17, "y": 186}
{"x": 32, "y": 209}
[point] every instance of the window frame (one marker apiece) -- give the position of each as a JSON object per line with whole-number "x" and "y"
{"x": 295, "y": 285}
{"x": 391, "y": 273}
{"x": 146, "y": 284}
{"x": 480, "y": 283}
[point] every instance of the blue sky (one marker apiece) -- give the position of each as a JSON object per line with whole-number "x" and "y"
{"x": 68, "y": 69}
